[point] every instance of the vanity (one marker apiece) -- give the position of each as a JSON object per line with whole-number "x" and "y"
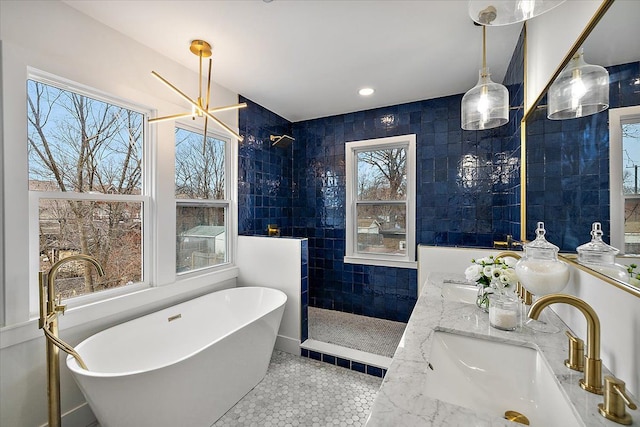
{"x": 453, "y": 369}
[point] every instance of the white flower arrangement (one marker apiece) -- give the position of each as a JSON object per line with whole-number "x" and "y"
{"x": 491, "y": 273}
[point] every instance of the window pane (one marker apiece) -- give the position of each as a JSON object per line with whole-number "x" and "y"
{"x": 199, "y": 167}
{"x": 382, "y": 228}
{"x": 79, "y": 144}
{"x": 201, "y": 239}
{"x": 632, "y": 226}
{"x": 630, "y": 158}
{"x": 382, "y": 174}
{"x": 109, "y": 231}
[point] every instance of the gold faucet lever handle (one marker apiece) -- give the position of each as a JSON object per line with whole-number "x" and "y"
{"x": 59, "y": 307}
{"x": 615, "y": 399}
{"x": 43, "y": 299}
{"x": 624, "y": 396}
{"x": 576, "y": 353}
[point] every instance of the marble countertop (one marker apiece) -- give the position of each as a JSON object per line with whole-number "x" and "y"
{"x": 400, "y": 402}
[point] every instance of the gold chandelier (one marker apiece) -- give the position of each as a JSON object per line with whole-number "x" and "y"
{"x": 200, "y": 108}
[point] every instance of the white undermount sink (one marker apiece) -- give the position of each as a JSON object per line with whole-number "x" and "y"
{"x": 459, "y": 292}
{"x": 493, "y": 377}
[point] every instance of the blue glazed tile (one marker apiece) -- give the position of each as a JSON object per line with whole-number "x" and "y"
{"x": 329, "y": 359}
{"x": 374, "y": 370}
{"x": 357, "y": 366}
{"x": 344, "y": 363}
{"x": 315, "y": 355}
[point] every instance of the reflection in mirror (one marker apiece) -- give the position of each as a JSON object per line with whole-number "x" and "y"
{"x": 624, "y": 139}
{"x": 568, "y": 172}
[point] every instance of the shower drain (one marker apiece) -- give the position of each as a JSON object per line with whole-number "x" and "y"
{"x": 516, "y": 417}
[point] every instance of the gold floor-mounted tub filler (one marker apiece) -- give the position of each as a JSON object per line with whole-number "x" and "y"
{"x": 50, "y": 306}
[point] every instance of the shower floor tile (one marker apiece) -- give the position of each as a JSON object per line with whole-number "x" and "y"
{"x": 368, "y": 334}
{"x": 303, "y": 392}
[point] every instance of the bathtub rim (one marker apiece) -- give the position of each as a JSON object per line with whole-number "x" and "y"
{"x": 73, "y": 365}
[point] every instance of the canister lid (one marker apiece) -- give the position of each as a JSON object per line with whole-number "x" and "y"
{"x": 541, "y": 248}
{"x": 596, "y": 251}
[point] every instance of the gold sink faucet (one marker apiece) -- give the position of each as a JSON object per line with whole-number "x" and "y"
{"x": 50, "y": 306}
{"x": 592, "y": 381}
{"x": 523, "y": 294}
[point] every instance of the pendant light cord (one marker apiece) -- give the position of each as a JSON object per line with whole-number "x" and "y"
{"x": 484, "y": 51}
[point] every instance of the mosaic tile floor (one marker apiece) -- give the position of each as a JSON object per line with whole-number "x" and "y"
{"x": 377, "y": 336}
{"x": 302, "y": 392}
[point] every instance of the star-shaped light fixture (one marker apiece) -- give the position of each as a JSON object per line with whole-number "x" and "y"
{"x": 200, "y": 108}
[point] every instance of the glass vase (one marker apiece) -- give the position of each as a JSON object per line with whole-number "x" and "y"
{"x": 482, "y": 300}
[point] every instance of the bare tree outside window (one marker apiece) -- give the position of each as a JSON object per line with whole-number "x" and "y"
{"x": 201, "y": 208}
{"x": 92, "y": 150}
{"x": 631, "y": 185}
{"x": 199, "y": 173}
{"x": 381, "y": 193}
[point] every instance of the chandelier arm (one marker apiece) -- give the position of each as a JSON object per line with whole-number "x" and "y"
{"x": 225, "y": 127}
{"x": 228, "y": 107}
{"x": 206, "y": 107}
{"x": 204, "y": 135}
{"x": 208, "y": 87}
{"x": 171, "y": 117}
{"x": 200, "y": 81}
{"x": 183, "y": 115}
{"x": 192, "y": 102}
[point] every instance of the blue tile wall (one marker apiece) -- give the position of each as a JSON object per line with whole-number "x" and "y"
{"x": 568, "y": 167}
{"x": 467, "y": 190}
{"x": 264, "y": 172}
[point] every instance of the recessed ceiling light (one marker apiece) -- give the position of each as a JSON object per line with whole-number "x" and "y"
{"x": 366, "y": 91}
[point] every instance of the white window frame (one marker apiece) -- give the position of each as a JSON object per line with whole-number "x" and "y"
{"x": 352, "y": 256}
{"x": 618, "y": 117}
{"x": 144, "y": 198}
{"x": 226, "y": 203}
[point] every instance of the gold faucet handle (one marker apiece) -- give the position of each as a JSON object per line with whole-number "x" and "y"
{"x": 576, "y": 353}
{"x": 43, "y": 300}
{"x": 59, "y": 307}
{"x": 527, "y": 297}
{"x": 615, "y": 399}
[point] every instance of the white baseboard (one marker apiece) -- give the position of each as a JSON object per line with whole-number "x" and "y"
{"x": 288, "y": 345}
{"x": 80, "y": 416}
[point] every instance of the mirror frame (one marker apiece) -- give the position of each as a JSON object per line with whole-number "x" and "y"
{"x": 570, "y": 258}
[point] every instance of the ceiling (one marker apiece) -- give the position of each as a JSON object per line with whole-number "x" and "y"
{"x": 306, "y": 59}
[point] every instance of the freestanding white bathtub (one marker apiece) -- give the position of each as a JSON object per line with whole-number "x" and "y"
{"x": 182, "y": 366}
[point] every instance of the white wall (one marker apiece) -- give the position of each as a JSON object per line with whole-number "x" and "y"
{"x": 549, "y": 38}
{"x": 619, "y": 314}
{"x": 52, "y": 37}
{"x": 275, "y": 263}
{"x": 443, "y": 259}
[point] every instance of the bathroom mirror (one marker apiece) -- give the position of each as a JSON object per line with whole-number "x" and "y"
{"x": 568, "y": 175}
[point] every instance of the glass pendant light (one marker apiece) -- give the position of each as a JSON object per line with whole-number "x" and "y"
{"x": 580, "y": 90}
{"x": 507, "y": 12}
{"x": 486, "y": 105}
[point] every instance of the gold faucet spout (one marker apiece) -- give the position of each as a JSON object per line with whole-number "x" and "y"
{"x": 51, "y": 275}
{"x": 592, "y": 380}
{"x": 507, "y": 254}
{"x": 49, "y": 310}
